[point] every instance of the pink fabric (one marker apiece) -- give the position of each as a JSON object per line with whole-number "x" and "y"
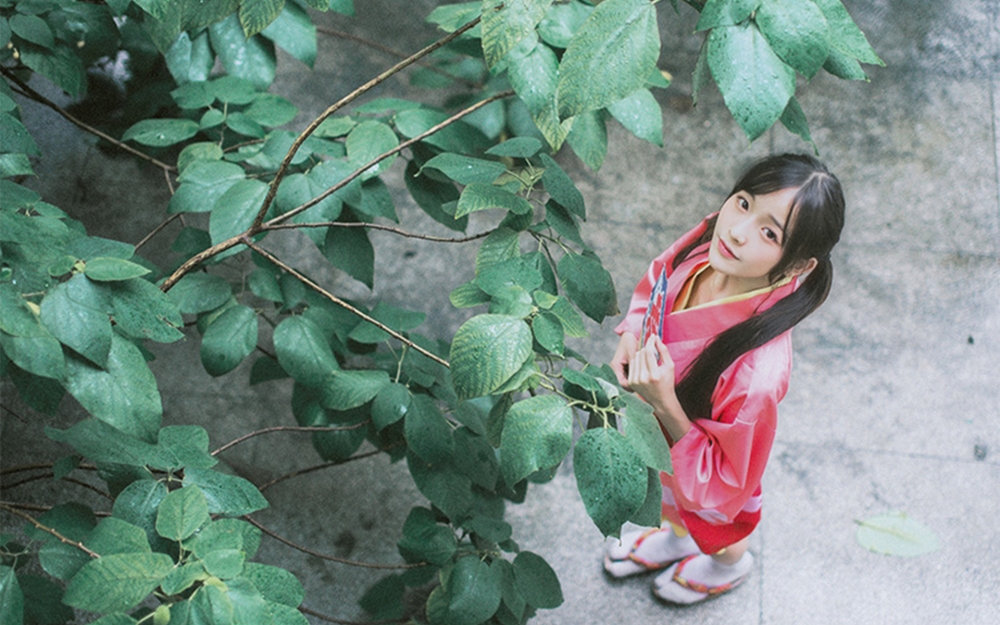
{"x": 718, "y": 465}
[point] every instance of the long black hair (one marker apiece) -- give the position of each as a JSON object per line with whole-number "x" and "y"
{"x": 816, "y": 217}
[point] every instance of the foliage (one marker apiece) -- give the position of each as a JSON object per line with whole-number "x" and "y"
{"x": 476, "y": 416}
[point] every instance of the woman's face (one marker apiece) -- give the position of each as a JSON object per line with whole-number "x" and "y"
{"x": 748, "y": 239}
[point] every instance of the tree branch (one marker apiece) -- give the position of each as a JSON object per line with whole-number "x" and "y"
{"x": 336, "y": 300}
{"x": 279, "y": 176}
{"x": 393, "y": 229}
{"x": 324, "y": 556}
{"x": 288, "y": 428}
{"x": 71, "y": 480}
{"x": 318, "y": 467}
{"x": 400, "y": 55}
{"x": 381, "y": 157}
{"x": 6, "y": 506}
{"x": 157, "y": 230}
{"x": 37, "y": 97}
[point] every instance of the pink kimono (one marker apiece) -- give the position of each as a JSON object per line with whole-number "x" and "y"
{"x": 715, "y": 489}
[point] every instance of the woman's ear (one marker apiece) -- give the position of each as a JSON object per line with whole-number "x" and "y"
{"x": 802, "y": 268}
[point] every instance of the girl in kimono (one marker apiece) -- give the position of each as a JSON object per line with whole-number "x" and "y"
{"x": 707, "y": 343}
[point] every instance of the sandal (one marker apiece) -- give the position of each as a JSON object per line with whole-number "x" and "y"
{"x": 683, "y": 591}
{"x": 634, "y": 563}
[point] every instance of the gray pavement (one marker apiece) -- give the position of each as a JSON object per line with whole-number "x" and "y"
{"x": 894, "y": 390}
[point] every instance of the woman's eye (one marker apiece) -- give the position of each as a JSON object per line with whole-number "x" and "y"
{"x": 771, "y": 234}
{"x": 743, "y": 203}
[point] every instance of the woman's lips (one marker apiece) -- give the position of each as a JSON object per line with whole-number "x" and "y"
{"x": 725, "y": 251}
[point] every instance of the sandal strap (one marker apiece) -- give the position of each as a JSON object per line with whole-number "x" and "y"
{"x": 698, "y": 586}
{"x": 648, "y": 564}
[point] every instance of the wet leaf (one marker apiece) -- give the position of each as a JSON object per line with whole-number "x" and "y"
{"x": 896, "y": 534}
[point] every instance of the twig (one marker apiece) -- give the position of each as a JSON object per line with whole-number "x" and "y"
{"x": 157, "y": 230}
{"x": 377, "y": 46}
{"x": 43, "y": 465}
{"x": 37, "y": 97}
{"x": 35, "y": 478}
{"x": 324, "y": 556}
{"x": 381, "y": 157}
{"x": 8, "y": 507}
{"x": 330, "y": 619}
{"x": 393, "y": 229}
{"x": 336, "y": 300}
{"x": 288, "y": 428}
{"x": 318, "y": 467}
{"x": 279, "y": 176}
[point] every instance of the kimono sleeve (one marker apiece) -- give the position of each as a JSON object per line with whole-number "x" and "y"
{"x": 719, "y": 463}
{"x": 640, "y": 296}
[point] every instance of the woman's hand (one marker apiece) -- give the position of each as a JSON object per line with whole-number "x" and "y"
{"x": 627, "y": 346}
{"x": 651, "y": 376}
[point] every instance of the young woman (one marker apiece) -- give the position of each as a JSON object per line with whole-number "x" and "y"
{"x": 707, "y": 343}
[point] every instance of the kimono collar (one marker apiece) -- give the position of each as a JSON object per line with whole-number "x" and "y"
{"x": 708, "y": 320}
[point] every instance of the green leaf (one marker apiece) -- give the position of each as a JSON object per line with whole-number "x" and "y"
{"x": 183, "y": 577}
{"x": 479, "y": 196}
{"x": 797, "y": 32}
{"x": 467, "y": 296}
{"x": 15, "y": 137}
{"x": 588, "y": 284}
{"x": 427, "y": 432}
{"x": 200, "y": 292}
{"x": 349, "y": 388}
{"x": 561, "y": 188}
{"x": 226, "y": 494}
{"x": 230, "y": 338}
{"x": 794, "y": 119}
{"x": 182, "y": 512}
{"x": 537, "y": 581}
{"x": 465, "y": 169}
{"x": 611, "y": 478}
{"x": 235, "y": 210}
{"x": 271, "y": 110}
{"x": 161, "y": 132}
{"x": 517, "y": 147}
{"x": 642, "y": 431}
{"x": 293, "y": 31}
{"x": 640, "y": 114}
{"x": 255, "y": 15}
{"x": 202, "y": 183}
{"x": 76, "y": 313}
{"x": 251, "y": 58}
{"x": 537, "y": 434}
{"x": 845, "y": 35}
{"x": 113, "y": 536}
{"x": 431, "y": 195}
{"x": 190, "y": 60}
{"x": 391, "y": 404}
{"x": 755, "y": 84}
{"x": 474, "y": 589}
{"x": 477, "y": 459}
{"x": 60, "y": 65}
{"x": 843, "y": 66}
{"x": 212, "y": 605}
{"x": 42, "y": 601}
{"x": 589, "y": 138}
{"x": 534, "y": 75}
{"x": 200, "y": 151}
{"x": 562, "y": 21}
{"x": 649, "y": 513}
{"x": 138, "y": 504}
{"x": 40, "y": 355}
{"x": 548, "y": 331}
{"x": 117, "y": 619}
{"x": 486, "y": 351}
{"x": 398, "y": 319}
{"x": 424, "y": 540}
{"x": 142, "y": 311}
{"x": 609, "y": 57}
{"x": 896, "y": 534}
{"x": 501, "y": 245}
{"x": 275, "y": 584}
{"x": 451, "y": 17}
{"x": 11, "y": 597}
{"x": 443, "y": 485}
{"x": 14, "y": 165}
{"x": 507, "y": 22}
{"x": 124, "y": 394}
{"x": 224, "y": 563}
{"x": 32, "y": 28}
{"x": 113, "y": 269}
{"x": 350, "y": 250}
{"x": 367, "y": 141}
{"x": 459, "y": 137}
{"x": 103, "y": 443}
{"x": 118, "y": 582}
{"x": 725, "y": 13}
{"x": 303, "y": 351}
{"x": 384, "y": 599}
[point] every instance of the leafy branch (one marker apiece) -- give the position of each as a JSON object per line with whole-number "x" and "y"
{"x": 287, "y": 428}
{"x": 48, "y": 530}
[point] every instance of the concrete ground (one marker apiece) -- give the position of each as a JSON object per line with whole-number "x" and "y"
{"x": 894, "y": 403}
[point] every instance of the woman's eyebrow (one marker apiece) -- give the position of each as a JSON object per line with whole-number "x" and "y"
{"x": 780, "y": 225}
